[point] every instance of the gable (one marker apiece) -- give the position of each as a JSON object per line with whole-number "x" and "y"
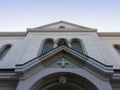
{"x": 61, "y": 26}
{"x": 62, "y": 23}
{"x": 62, "y": 62}
{"x": 73, "y": 58}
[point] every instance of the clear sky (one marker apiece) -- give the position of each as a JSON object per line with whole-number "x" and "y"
{"x": 17, "y": 15}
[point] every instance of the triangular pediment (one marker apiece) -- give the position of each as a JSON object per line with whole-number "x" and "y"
{"x": 62, "y": 62}
{"x": 53, "y": 59}
{"x": 61, "y": 26}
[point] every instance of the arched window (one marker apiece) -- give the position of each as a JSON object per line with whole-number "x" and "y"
{"x": 76, "y": 45}
{"x": 48, "y": 45}
{"x": 4, "y": 50}
{"x": 62, "y": 42}
{"x": 117, "y": 47}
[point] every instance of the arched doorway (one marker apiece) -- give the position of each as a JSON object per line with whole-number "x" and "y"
{"x": 63, "y": 81}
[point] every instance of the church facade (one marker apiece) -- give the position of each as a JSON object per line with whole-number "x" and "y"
{"x": 60, "y": 56}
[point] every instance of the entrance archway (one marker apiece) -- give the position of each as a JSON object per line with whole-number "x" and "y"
{"x": 63, "y": 81}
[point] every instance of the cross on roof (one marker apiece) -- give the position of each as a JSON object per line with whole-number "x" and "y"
{"x": 62, "y": 63}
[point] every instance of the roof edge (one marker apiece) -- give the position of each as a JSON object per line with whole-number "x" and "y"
{"x": 108, "y": 33}
{"x": 13, "y": 33}
{"x": 60, "y": 30}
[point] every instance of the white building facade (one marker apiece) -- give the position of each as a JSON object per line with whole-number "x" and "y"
{"x": 60, "y": 56}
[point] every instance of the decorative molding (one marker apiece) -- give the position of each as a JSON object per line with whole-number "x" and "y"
{"x": 60, "y": 30}
{"x": 13, "y": 33}
{"x": 8, "y": 76}
{"x": 109, "y": 34}
{"x": 62, "y": 62}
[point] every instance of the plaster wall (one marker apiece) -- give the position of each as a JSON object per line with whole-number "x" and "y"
{"x": 108, "y": 44}
{"x": 26, "y": 48}
{"x": 91, "y": 42}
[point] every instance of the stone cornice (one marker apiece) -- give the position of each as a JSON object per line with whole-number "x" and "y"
{"x": 8, "y": 76}
{"x": 60, "y": 30}
{"x": 109, "y": 34}
{"x": 106, "y": 34}
{"x": 13, "y": 33}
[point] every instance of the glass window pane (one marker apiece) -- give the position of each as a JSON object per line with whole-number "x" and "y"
{"x": 76, "y": 46}
{"x": 4, "y": 50}
{"x": 118, "y": 50}
{"x": 47, "y": 46}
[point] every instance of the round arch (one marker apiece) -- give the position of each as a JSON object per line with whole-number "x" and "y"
{"x": 42, "y": 45}
{"x": 80, "y": 41}
{"x": 63, "y": 81}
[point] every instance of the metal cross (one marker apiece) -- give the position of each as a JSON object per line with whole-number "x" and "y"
{"x": 63, "y": 63}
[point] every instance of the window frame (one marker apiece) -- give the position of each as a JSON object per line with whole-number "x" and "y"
{"x": 44, "y": 49}
{"x": 4, "y": 50}
{"x": 117, "y": 48}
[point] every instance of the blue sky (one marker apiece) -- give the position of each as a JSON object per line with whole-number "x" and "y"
{"x": 17, "y": 15}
